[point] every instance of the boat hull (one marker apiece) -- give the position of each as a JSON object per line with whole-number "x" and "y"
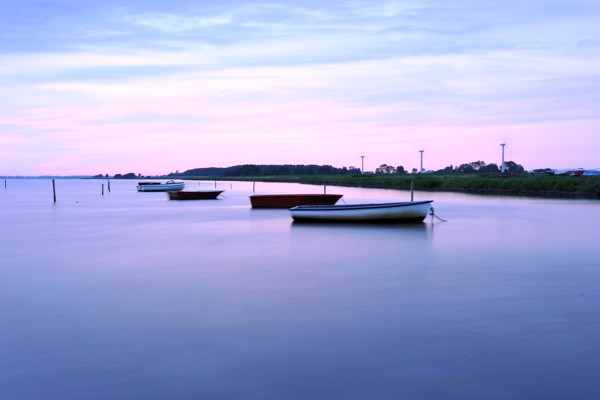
{"x": 194, "y": 195}
{"x": 409, "y": 212}
{"x": 160, "y": 187}
{"x": 292, "y": 200}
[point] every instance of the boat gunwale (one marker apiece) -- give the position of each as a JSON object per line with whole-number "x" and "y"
{"x": 362, "y": 206}
{"x": 194, "y": 194}
{"x": 161, "y": 187}
{"x": 195, "y": 191}
{"x": 289, "y": 200}
{"x": 283, "y": 195}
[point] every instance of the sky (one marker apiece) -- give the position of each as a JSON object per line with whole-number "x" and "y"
{"x": 153, "y": 87}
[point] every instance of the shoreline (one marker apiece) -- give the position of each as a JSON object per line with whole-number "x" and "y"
{"x": 523, "y": 185}
{"x": 559, "y": 187}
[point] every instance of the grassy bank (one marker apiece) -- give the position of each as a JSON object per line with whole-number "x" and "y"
{"x": 524, "y": 185}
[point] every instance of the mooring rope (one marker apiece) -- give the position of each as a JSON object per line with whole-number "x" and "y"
{"x": 433, "y": 214}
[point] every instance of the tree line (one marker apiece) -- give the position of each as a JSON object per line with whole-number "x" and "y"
{"x": 267, "y": 170}
{"x": 510, "y": 167}
{"x": 287, "y": 169}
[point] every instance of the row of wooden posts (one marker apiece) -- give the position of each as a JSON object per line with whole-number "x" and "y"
{"x": 54, "y": 188}
{"x": 253, "y": 188}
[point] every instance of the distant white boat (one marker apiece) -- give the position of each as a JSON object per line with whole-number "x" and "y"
{"x": 592, "y": 172}
{"x": 410, "y": 211}
{"x": 160, "y": 186}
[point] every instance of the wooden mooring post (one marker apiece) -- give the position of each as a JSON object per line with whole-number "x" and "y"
{"x": 103, "y": 189}
{"x": 54, "y": 190}
{"x": 109, "y": 186}
{"x": 412, "y": 187}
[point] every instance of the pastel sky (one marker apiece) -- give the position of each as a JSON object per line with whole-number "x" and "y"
{"x": 151, "y": 87}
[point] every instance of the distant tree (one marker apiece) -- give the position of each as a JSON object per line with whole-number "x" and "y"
{"x": 477, "y": 165}
{"x": 465, "y": 168}
{"x": 325, "y": 170}
{"x": 385, "y": 169}
{"x": 210, "y": 171}
{"x": 400, "y": 170}
{"x": 414, "y": 170}
{"x": 283, "y": 170}
{"x": 513, "y": 168}
{"x": 490, "y": 169}
{"x": 248, "y": 170}
{"x": 308, "y": 170}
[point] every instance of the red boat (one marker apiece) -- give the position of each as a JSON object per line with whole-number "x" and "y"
{"x": 195, "y": 195}
{"x": 292, "y": 200}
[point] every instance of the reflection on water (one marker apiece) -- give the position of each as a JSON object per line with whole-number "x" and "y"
{"x": 130, "y": 295}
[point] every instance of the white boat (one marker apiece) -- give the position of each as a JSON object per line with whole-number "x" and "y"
{"x": 159, "y": 186}
{"x": 410, "y": 211}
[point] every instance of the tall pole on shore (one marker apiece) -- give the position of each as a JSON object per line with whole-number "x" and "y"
{"x": 362, "y": 170}
{"x": 421, "y": 170}
{"x": 502, "y": 166}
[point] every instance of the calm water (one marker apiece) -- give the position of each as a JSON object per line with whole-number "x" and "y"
{"x": 132, "y": 296}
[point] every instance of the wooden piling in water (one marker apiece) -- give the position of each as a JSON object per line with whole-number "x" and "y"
{"x": 103, "y": 189}
{"x": 253, "y": 185}
{"x": 109, "y": 186}
{"x": 54, "y": 190}
{"x": 412, "y": 187}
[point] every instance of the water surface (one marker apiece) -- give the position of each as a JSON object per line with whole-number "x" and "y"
{"x": 128, "y": 295}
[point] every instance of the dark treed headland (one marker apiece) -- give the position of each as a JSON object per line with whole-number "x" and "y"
{"x": 278, "y": 170}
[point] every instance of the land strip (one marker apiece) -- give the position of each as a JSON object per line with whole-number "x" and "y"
{"x": 584, "y": 187}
